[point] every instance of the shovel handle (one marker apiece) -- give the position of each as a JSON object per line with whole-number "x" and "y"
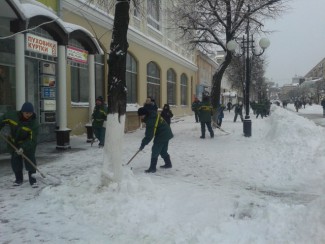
{"x": 23, "y": 155}
{"x": 133, "y": 157}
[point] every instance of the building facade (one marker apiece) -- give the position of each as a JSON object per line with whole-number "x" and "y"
{"x": 54, "y": 54}
{"x": 38, "y": 52}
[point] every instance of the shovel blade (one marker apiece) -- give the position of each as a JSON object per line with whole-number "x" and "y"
{"x": 48, "y": 180}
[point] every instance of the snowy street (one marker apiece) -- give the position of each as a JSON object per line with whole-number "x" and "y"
{"x": 268, "y": 188}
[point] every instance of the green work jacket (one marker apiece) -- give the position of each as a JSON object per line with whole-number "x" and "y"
{"x": 157, "y": 128}
{"x": 205, "y": 112}
{"x": 99, "y": 115}
{"x": 23, "y": 133}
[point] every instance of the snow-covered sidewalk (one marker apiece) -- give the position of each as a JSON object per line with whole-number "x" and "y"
{"x": 268, "y": 188}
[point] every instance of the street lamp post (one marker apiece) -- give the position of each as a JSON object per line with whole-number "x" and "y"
{"x": 247, "y": 47}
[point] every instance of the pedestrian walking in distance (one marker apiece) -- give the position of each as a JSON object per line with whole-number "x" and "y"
{"x": 220, "y": 114}
{"x": 239, "y": 111}
{"x": 23, "y": 135}
{"x": 205, "y": 113}
{"x": 323, "y": 105}
{"x": 195, "y": 109}
{"x": 157, "y": 128}
{"x": 229, "y": 106}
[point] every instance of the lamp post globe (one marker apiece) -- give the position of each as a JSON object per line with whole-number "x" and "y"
{"x": 232, "y": 46}
{"x": 264, "y": 43}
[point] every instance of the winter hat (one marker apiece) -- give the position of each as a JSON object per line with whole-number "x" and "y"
{"x": 100, "y": 98}
{"x": 142, "y": 111}
{"x": 27, "y": 107}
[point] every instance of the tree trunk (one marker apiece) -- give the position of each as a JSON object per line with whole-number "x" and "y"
{"x": 116, "y": 97}
{"x": 117, "y": 60}
{"x": 216, "y": 81}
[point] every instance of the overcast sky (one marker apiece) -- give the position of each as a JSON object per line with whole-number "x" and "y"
{"x": 298, "y": 43}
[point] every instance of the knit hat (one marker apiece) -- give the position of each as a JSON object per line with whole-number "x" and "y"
{"x": 100, "y": 98}
{"x": 142, "y": 111}
{"x": 27, "y": 107}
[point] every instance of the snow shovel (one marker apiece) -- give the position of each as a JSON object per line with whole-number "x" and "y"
{"x": 133, "y": 157}
{"x": 57, "y": 182}
{"x": 217, "y": 126}
{"x": 222, "y": 130}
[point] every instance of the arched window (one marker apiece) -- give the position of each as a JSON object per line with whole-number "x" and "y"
{"x": 171, "y": 87}
{"x": 131, "y": 78}
{"x": 153, "y": 82}
{"x": 184, "y": 89}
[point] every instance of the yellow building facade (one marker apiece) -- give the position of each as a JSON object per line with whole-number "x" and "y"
{"x": 147, "y": 45}
{"x": 63, "y": 81}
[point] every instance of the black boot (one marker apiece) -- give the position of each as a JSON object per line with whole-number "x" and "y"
{"x": 19, "y": 178}
{"x": 32, "y": 180}
{"x": 168, "y": 163}
{"x": 152, "y": 168}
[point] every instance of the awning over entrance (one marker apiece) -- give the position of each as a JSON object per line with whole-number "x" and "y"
{"x": 27, "y": 15}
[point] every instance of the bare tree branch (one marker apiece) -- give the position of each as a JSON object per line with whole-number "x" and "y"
{"x": 212, "y": 24}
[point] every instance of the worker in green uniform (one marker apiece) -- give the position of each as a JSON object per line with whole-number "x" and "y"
{"x": 157, "y": 128}
{"x": 99, "y": 117}
{"x": 23, "y": 135}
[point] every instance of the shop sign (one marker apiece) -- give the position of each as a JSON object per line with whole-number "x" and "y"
{"x": 48, "y": 92}
{"x": 41, "y": 45}
{"x": 47, "y": 68}
{"x": 48, "y": 117}
{"x": 48, "y": 105}
{"x": 77, "y": 55}
{"x": 48, "y": 81}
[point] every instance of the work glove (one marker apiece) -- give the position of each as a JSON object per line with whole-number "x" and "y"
{"x": 20, "y": 151}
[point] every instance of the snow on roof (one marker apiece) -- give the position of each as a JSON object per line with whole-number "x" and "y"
{"x": 310, "y": 82}
{"x": 70, "y": 27}
{"x": 32, "y": 8}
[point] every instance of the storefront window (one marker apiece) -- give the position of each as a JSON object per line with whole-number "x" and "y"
{"x": 79, "y": 76}
{"x": 7, "y": 88}
{"x": 7, "y": 68}
{"x": 79, "y": 84}
{"x": 99, "y": 75}
{"x": 32, "y": 82}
